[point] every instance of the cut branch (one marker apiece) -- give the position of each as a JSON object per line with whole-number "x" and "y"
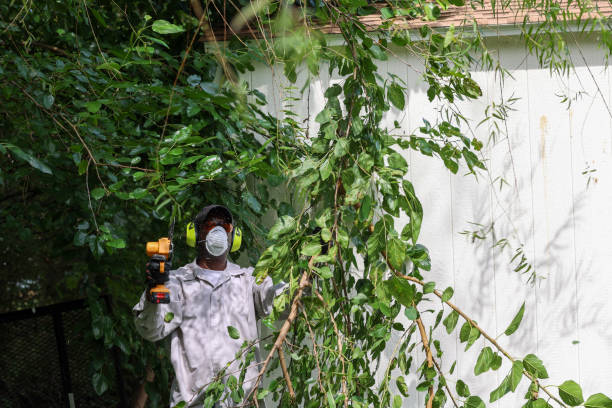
{"x": 304, "y": 282}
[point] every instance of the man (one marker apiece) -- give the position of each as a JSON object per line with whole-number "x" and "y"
{"x": 206, "y": 297}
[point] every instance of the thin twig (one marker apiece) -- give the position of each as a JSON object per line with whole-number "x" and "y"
{"x": 314, "y": 349}
{"x": 339, "y": 339}
{"x": 448, "y": 391}
{"x": 281, "y": 357}
{"x": 430, "y": 364}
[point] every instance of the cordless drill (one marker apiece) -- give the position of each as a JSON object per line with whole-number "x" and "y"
{"x": 160, "y": 252}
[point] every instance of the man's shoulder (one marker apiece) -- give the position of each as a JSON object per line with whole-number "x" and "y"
{"x": 235, "y": 269}
{"x": 184, "y": 273}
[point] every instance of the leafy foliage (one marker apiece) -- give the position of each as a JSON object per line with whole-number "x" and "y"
{"x": 117, "y": 118}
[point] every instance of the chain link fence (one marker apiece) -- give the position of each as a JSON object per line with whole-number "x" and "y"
{"x": 45, "y": 356}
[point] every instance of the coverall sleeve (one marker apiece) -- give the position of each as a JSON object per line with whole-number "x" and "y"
{"x": 150, "y": 319}
{"x": 264, "y": 294}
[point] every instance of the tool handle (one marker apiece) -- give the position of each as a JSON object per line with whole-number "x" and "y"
{"x": 158, "y": 269}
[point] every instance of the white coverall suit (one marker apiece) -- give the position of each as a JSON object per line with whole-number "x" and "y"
{"x": 204, "y": 303}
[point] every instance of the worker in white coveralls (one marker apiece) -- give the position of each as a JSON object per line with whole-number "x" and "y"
{"x": 207, "y": 296}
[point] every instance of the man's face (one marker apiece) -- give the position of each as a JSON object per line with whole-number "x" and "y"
{"x": 211, "y": 222}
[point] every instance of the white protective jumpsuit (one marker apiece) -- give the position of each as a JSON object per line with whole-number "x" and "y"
{"x": 204, "y": 303}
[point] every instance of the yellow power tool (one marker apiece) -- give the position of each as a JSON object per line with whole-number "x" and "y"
{"x": 160, "y": 252}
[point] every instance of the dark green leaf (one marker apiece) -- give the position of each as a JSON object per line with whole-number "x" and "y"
{"x": 100, "y": 385}
{"x": 396, "y": 96}
{"x": 233, "y": 332}
{"x": 97, "y": 193}
{"x": 401, "y": 386}
{"x": 462, "y": 389}
{"x": 401, "y": 290}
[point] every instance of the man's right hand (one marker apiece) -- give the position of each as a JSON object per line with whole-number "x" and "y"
{"x": 152, "y": 271}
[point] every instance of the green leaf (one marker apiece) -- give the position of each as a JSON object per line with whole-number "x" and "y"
{"x": 168, "y": 317}
{"x": 598, "y": 401}
{"x": 397, "y": 253}
{"x": 535, "y": 366}
{"x": 181, "y": 404}
{"x": 500, "y": 391}
{"x": 165, "y": 27}
{"x": 401, "y": 290}
{"x": 464, "y": 333}
{"x": 472, "y": 337}
{"x": 282, "y": 226}
{"x": 386, "y": 13}
{"x": 450, "y": 322}
{"x": 516, "y": 321}
{"x": 93, "y": 107}
{"x": 48, "y": 100}
{"x": 396, "y": 161}
{"x": 233, "y": 332}
{"x": 462, "y": 389}
{"x": 397, "y": 401}
{"x": 32, "y": 161}
{"x": 401, "y": 385}
{"x": 100, "y": 385}
{"x": 516, "y": 374}
{"x": 483, "y": 363}
{"x": 97, "y": 193}
{"x": 411, "y": 313}
{"x": 311, "y": 249}
{"x": 571, "y": 393}
{"x": 116, "y": 243}
{"x": 396, "y": 96}
{"x": 330, "y": 399}
{"x": 496, "y": 362}
{"x": 447, "y": 294}
{"x": 429, "y": 287}
{"x": 474, "y": 402}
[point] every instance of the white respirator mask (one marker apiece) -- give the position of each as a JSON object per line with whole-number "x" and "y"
{"x": 216, "y": 241}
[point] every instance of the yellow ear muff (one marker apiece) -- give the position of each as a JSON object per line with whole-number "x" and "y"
{"x": 191, "y": 235}
{"x": 237, "y": 239}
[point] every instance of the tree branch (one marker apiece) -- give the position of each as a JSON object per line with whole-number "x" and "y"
{"x": 304, "y": 282}
{"x": 430, "y": 364}
{"x": 482, "y": 332}
{"x": 283, "y": 364}
{"x": 344, "y": 387}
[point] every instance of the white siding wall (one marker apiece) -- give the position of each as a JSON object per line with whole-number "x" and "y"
{"x": 563, "y": 220}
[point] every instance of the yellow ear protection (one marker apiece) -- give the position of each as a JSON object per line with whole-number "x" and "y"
{"x": 192, "y": 235}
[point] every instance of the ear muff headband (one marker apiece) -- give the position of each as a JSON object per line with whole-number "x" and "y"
{"x": 191, "y": 237}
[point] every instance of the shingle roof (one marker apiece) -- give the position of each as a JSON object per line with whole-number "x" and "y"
{"x": 511, "y": 15}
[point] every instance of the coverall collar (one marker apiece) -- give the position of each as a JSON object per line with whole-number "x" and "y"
{"x": 216, "y": 278}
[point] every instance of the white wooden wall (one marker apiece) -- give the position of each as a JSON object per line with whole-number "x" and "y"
{"x": 562, "y": 218}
